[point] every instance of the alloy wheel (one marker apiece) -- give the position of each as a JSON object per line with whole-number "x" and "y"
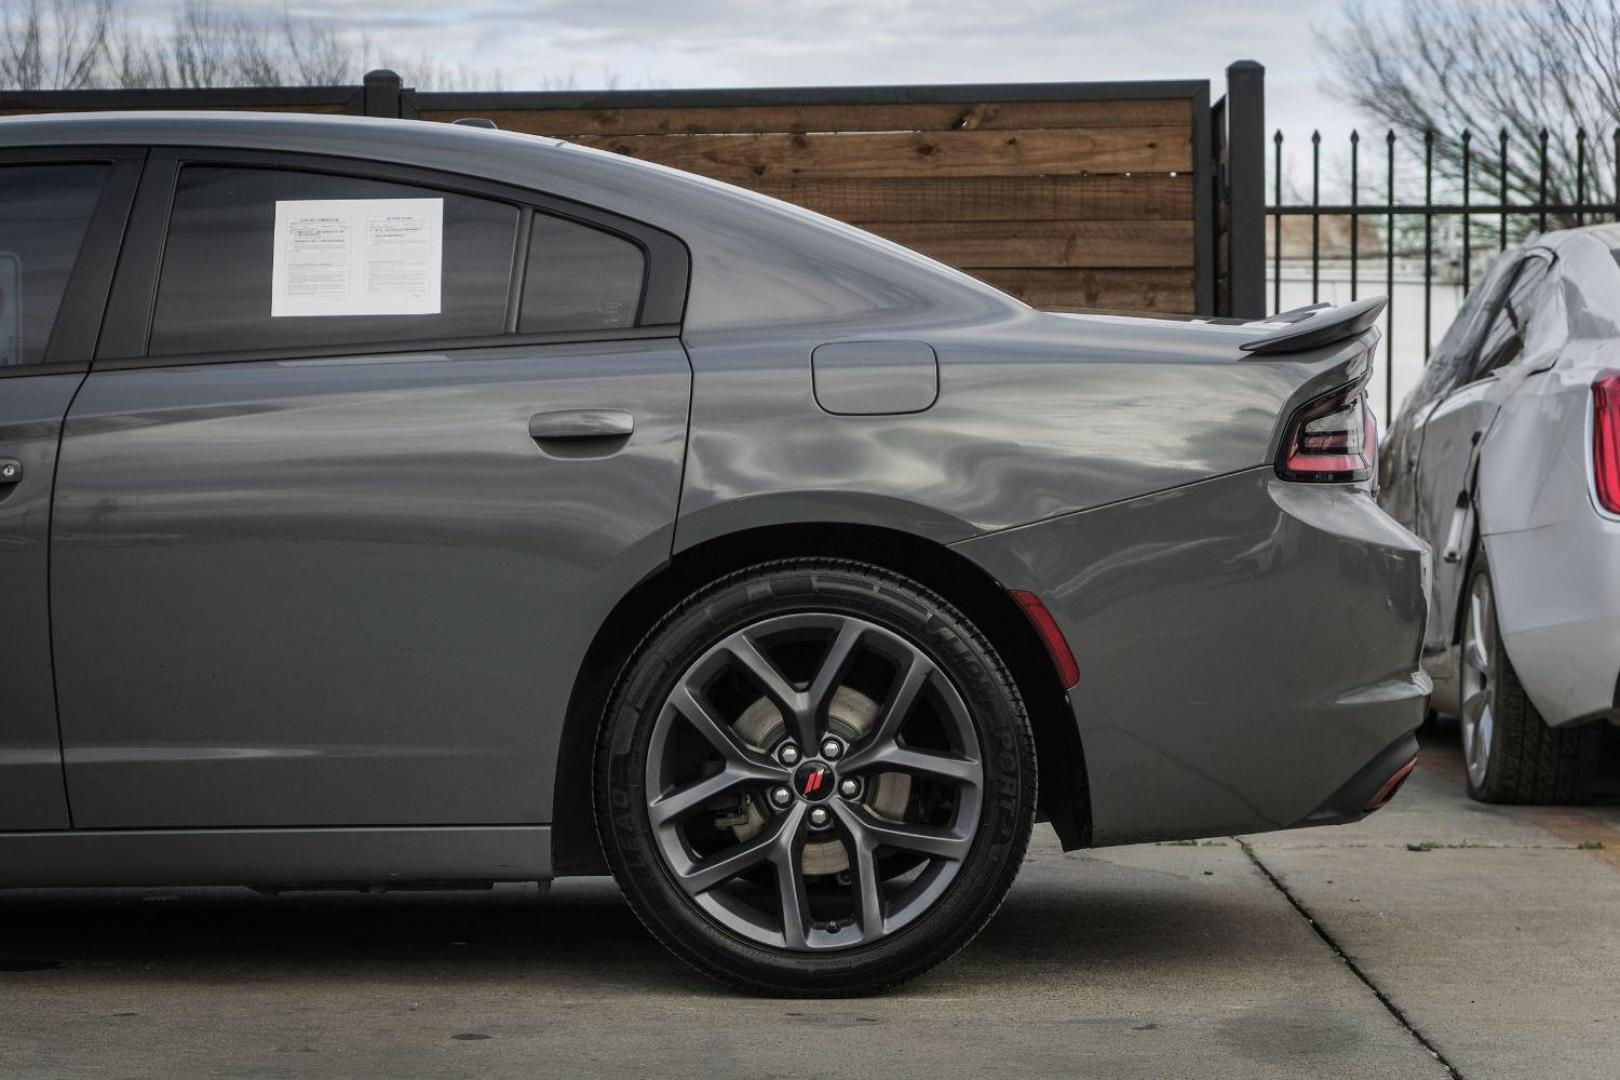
{"x": 814, "y": 782}
{"x": 1478, "y": 644}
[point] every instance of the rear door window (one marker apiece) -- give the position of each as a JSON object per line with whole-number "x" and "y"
{"x": 221, "y": 289}
{"x": 44, "y": 214}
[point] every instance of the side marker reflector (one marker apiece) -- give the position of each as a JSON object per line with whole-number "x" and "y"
{"x": 1051, "y": 635}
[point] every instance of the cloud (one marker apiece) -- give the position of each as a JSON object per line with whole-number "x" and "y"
{"x": 826, "y": 42}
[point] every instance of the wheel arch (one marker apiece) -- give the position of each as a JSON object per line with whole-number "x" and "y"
{"x": 1060, "y": 761}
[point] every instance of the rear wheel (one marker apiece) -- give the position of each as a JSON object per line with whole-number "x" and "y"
{"x": 1512, "y": 756}
{"x": 815, "y": 777}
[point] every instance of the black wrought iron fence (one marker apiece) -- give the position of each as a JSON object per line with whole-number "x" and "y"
{"x": 1493, "y": 192}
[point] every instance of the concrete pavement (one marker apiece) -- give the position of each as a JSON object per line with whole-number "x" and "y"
{"x": 1446, "y": 935}
{"x": 1494, "y": 931}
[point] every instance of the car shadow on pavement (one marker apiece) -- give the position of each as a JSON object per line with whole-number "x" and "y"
{"x": 1173, "y": 908}
{"x": 579, "y": 936}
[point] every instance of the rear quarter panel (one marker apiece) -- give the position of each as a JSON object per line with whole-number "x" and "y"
{"x": 1038, "y": 415}
{"x": 1246, "y": 646}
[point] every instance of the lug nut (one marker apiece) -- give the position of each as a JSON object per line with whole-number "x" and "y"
{"x": 819, "y": 818}
{"x": 831, "y": 748}
{"x": 781, "y": 796}
{"x": 849, "y": 787}
{"x": 788, "y": 755}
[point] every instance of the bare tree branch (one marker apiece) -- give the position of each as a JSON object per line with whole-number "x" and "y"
{"x": 1487, "y": 67}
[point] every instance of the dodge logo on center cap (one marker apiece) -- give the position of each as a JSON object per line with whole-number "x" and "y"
{"x": 814, "y": 781}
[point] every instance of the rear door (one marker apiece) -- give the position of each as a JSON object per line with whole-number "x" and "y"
{"x": 365, "y": 458}
{"x": 1450, "y": 442}
{"x": 61, "y": 217}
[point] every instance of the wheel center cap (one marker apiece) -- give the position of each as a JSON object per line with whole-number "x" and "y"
{"x": 813, "y": 781}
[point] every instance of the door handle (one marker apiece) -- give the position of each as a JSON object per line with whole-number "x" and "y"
{"x": 10, "y": 470}
{"x": 575, "y": 424}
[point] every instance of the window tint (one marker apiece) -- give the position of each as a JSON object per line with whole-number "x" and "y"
{"x": 214, "y": 294}
{"x": 579, "y": 278}
{"x": 44, "y": 213}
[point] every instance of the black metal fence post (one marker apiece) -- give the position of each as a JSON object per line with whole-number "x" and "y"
{"x": 1355, "y": 211}
{"x": 1428, "y": 244}
{"x": 1316, "y": 217}
{"x": 383, "y": 89}
{"x": 1246, "y": 157}
{"x": 1389, "y": 283}
{"x": 1541, "y": 187}
{"x": 1502, "y": 187}
{"x": 1467, "y": 219}
{"x": 1580, "y": 176}
{"x": 1276, "y": 228}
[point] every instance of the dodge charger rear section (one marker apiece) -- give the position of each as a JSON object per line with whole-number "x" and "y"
{"x": 608, "y": 519}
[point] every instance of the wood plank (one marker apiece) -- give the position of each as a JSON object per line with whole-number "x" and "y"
{"x": 1144, "y": 196}
{"x": 986, "y": 244}
{"x": 745, "y": 158}
{"x": 791, "y": 119}
{"x": 1161, "y": 291}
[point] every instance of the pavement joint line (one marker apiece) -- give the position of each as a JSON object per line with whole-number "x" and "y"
{"x": 1355, "y": 969}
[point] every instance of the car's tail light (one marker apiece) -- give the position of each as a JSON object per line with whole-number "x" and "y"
{"x": 1606, "y": 440}
{"x": 1332, "y": 439}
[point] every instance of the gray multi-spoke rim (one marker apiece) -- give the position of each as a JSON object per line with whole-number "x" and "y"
{"x": 1478, "y": 717}
{"x": 877, "y": 905}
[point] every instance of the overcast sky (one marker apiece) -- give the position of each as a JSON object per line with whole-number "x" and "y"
{"x": 697, "y": 43}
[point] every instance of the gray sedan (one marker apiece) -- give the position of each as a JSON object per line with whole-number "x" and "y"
{"x": 1506, "y": 459}
{"x": 389, "y": 503}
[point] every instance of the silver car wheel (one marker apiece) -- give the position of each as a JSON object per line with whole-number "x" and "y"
{"x": 731, "y": 814}
{"x": 1478, "y": 721}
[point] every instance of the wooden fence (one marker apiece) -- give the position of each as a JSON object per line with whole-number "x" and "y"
{"x": 1072, "y": 196}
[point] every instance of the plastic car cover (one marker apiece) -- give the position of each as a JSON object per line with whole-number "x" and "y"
{"x": 1590, "y": 273}
{"x": 1455, "y": 350}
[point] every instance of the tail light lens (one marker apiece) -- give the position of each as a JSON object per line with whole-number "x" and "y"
{"x": 1606, "y": 440}
{"x": 1331, "y": 440}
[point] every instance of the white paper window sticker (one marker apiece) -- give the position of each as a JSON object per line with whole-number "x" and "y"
{"x": 357, "y": 257}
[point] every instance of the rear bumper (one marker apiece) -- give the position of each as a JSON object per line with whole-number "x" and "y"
{"x": 1248, "y": 649}
{"x": 1373, "y": 785}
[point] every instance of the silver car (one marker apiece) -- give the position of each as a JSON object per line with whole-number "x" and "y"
{"x": 395, "y": 503}
{"x": 1506, "y": 458}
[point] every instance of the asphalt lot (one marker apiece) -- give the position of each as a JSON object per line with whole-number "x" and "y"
{"x": 1439, "y": 934}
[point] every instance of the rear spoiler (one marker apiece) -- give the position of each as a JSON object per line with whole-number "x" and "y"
{"x": 1315, "y": 326}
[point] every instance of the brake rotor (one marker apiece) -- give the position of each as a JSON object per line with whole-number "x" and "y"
{"x": 849, "y": 716}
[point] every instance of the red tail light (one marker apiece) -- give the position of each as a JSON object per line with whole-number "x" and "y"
{"x": 1606, "y": 440}
{"x": 1331, "y": 440}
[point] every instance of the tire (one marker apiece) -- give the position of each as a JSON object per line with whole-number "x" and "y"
{"x": 1510, "y": 755}
{"x": 931, "y": 730}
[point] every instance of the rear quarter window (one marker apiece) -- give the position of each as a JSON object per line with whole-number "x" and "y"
{"x": 580, "y": 278}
